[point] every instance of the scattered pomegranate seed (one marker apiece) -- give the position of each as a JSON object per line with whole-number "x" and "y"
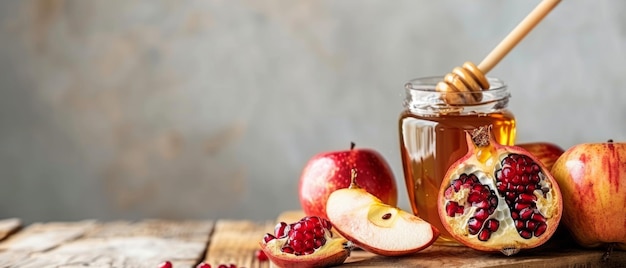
{"x": 260, "y": 255}
{"x": 203, "y": 265}
{"x": 165, "y": 264}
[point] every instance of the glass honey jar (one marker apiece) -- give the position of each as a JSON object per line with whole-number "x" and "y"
{"x": 433, "y": 136}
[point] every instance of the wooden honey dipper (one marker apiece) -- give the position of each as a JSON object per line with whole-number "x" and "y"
{"x": 471, "y": 78}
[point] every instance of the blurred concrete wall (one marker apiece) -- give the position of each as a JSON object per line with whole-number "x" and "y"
{"x": 210, "y": 109}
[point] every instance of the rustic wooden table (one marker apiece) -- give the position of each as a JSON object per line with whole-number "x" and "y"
{"x": 147, "y": 243}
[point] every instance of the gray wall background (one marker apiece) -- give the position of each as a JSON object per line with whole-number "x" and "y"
{"x": 210, "y": 109}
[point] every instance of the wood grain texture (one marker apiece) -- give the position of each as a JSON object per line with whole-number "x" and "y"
{"x": 235, "y": 242}
{"x": 115, "y": 244}
{"x": 8, "y": 226}
{"x": 186, "y": 243}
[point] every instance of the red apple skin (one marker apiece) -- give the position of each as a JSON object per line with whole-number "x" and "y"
{"x": 592, "y": 178}
{"x": 547, "y": 153}
{"x": 329, "y": 171}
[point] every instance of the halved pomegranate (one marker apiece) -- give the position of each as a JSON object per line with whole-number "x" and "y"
{"x": 308, "y": 242}
{"x": 499, "y": 198}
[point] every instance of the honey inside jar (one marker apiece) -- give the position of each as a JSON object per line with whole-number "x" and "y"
{"x": 433, "y": 137}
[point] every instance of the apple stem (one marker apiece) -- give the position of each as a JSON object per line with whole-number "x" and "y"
{"x": 353, "y": 184}
{"x": 610, "y": 141}
{"x": 352, "y": 144}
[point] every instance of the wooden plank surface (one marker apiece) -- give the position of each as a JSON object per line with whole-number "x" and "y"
{"x": 236, "y": 242}
{"x": 114, "y": 244}
{"x": 9, "y": 226}
{"x": 186, "y": 243}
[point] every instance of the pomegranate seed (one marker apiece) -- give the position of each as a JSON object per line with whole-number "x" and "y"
{"x": 473, "y": 178}
{"x": 473, "y": 225}
{"x": 538, "y": 217}
{"x": 474, "y": 198}
{"x": 477, "y": 187}
{"x": 525, "y": 234}
{"x": 452, "y": 208}
{"x": 165, "y": 264}
{"x": 525, "y": 214}
{"x": 493, "y": 200}
{"x": 260, "y": 255}
{"x": 203, "y": 265}
{"x": 484, "y": 235}
{"x": 481, "y": 214}
{"x": 520, "y": 206}
{"x": 297, "y": 245}
{"x": 320, "y": 242}
{"x": 516, "y": 180}
{"x": 482, "y": 204}
{"x": 492, "y": 225}
{"x": 514, "y": 215}
{"x": 531, "y": 225}
{"x": 268, "y": 237}
{"x": 507, "y": 173}
{"x": 501, "y": 186}
{"x": 326, "y": 224}
{"x": 456, "y": 185}
{"x": 534, "y": 178}
{"x": 309, "y": 244}
{"x": 296, "y": 235}
{"x": 287, "y": 249}
{"x": 281, "y": 230}
{"x": 527, "y": 198}
{"x": 519, "y": 224}
{"x": 319, "y": 231}
{"x": 541, "y": 228}
{"x": 309, "y": 235}
{"x": 511, "y": 196}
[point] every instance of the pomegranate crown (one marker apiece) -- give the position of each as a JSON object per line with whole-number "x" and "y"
{"x": 480, "y": 136}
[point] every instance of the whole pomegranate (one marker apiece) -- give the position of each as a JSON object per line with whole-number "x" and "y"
{"x": 592, "y": 177}
{"x": 499, "y": 198}
{"x": 308, "y": 242}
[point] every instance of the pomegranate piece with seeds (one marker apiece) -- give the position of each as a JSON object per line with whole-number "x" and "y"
{"x": 499, "y": 198}
{"x": 308, "y": 242}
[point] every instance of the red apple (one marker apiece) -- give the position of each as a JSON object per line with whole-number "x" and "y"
{"x": 329, "y": 171}
{"x": 547, "y": 153}
{"x": 592, "y": 178}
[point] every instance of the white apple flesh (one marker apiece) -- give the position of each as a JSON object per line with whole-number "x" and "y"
{"x": 374, "y": 226}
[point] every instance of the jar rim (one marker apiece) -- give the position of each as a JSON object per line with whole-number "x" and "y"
{"x": 429, "y": 83}
{"x": 422, "y": 97}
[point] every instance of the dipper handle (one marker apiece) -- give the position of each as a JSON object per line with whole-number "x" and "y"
{"x": 518, "y": 33}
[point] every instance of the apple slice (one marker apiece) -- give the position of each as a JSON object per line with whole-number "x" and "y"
{"x": 375, "y": 226}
